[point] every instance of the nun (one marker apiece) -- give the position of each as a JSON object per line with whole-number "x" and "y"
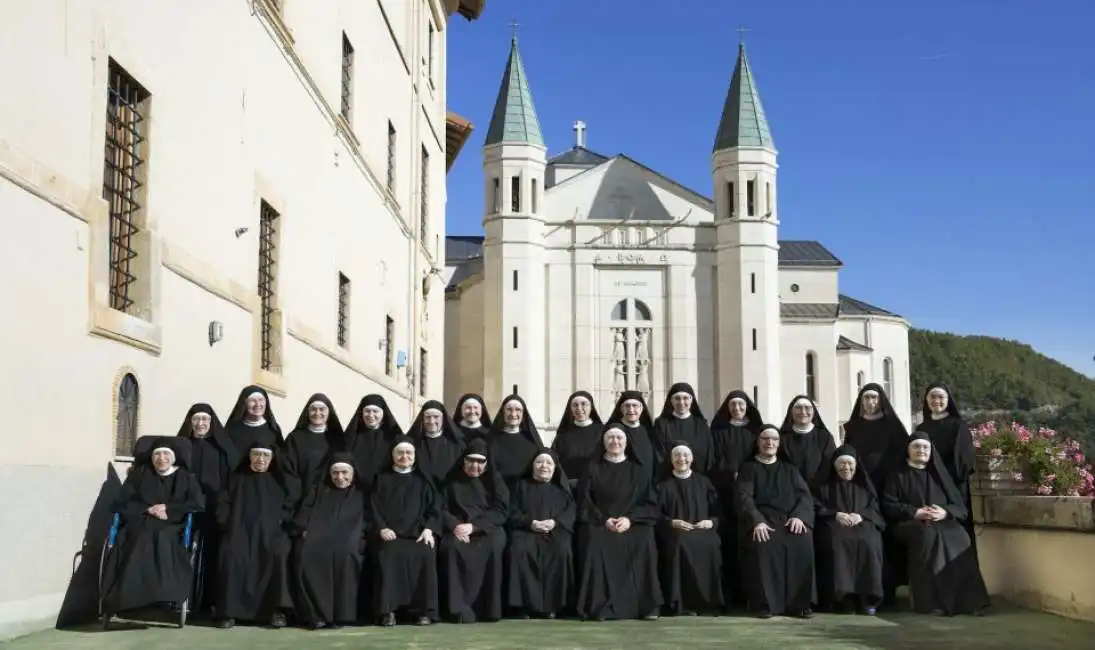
{"x": 848, "y": 530}
{"x": 540, "y": 558}
{"x": 577, "y": 436}
{"x": 876, "y": 432}
{"x": 369, "y": 435}
{"x": 439, "y": 443}
{"x": 642, "y": 439}
{"x": 213, "y": 457}
{"x": 404, "y": 528}
{"x": 618, "y": 555}
{"x": 681, "y": 420}
{"x": 253, "y": 580}
{"x": 472, "y": 413}
{"x": 805, "y": 440}
{"x": 513, "y": 440}
{"x": 149, "y": 563}
{"x": 926, "y": 512}
{"x": 328, "y": 532}
{"x": 317, "y": 434}
{"x": 734, "y": 429}
{"x": 475, "y": 508}
{"x": 775, "y": 516}
{"x": 252, "y": 420}
{"x": 689, "y": 548}
{"x": 952, "y": 443}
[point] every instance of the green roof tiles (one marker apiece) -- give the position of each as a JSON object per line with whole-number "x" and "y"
{"x": 514, "y": 118}
{"x": 743, "y": 123}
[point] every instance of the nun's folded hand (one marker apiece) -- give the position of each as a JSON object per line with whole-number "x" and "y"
{"x": 856, "y": 518}
{"x": 762, "y": 532}
{"x": 388, "y": 535}
{"x": 623, "y": 524}
{"x": 426, "y": 538}
{"x": 796, "y": 526}
{"x": 681, "y": 524}
{"x": 938, "y": 513}
{"x": 706, "y": 524}
{"x": 548, "y": 524}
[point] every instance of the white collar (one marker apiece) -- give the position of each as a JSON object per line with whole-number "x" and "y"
{"x": 766, "y": 460}
{"x": 584, "y": 423}
{"x": 616, "y": 459}
{"x": 402, "y": 470}
{"x": 321, "y": 428}
{"x": 739, "y": 423}
{"x": 630, "y": 425}
{"x": 940, "y": 416}
{"x": 438, "y": 434}
{"x": 873, "y": 416}
{"x": 916, "y": 465}
{"x": 684, "y": 416}
{"x": 682, "y": 475}
{"x": 511, "y": 428}
{"x": 798, "y": 428}
{"x": 257, "y": 423}
{"x": 169, "y": 471}
{"x": 471, "y": 425}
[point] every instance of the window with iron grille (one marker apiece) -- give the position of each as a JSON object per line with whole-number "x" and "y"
{"x": 423, "y": 382}
{"x": 125, "y": 421}
{"x": 424, "y": 200}
{"x": 389, "y": 346}
{"x": 515, "y": 194}
{"x": 391, "y": 157}
{"x": 124, "y": 182}
{"x": 267, "y": 282}
{"x": 347, "y": 77}
{"x": 429, "y": 52}
{"x": 343, "y": 311}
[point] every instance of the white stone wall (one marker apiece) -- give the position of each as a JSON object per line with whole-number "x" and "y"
{"x": 814, "y": 285}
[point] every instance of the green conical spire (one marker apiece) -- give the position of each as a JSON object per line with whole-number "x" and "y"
{"x": 514, "y": 118}
{"x": 743, "y": 123}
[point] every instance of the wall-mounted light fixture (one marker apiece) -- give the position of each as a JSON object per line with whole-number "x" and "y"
{"x": 216, "y": 331}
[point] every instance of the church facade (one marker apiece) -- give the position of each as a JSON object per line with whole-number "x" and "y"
{"x": 598, "y": 273}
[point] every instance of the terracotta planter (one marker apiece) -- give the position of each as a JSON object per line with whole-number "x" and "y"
{"x": 996, "y": 476}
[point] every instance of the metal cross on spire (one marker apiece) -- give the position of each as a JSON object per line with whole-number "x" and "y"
{"x": 741, "y": 34}
{"x": 514, "y": 25}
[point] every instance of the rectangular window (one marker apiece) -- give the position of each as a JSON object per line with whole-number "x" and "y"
{"x": 755, "y": 398}
{"x": 124, "y": 190}
{"x": 752, "y": 283}
{"x": 811, "y": 380}
{"x": 391, "y": 157}
{"x": 429, "y": 53}
{"x": 424, "y": 200}
{"x": 768, "y": 199}
{"x": 515, "y": 194}
{"x": 347, "y": 77}
{"x": 754, "y": 338}
{"x": 515, "y": 338}
{"x": 535, "y": 205}
{"x": 515, "y": 279}
{"x": 515, "y": 390}
{"x": 751, "y": 198}
{"x": 423, "y": 382}
{"x": 267, "y": 281}
{"x": 343, "y": 311}
{"x": 495, "y": 196}
{"x": 389, "y": 346}
{"x": 731, "y": 200}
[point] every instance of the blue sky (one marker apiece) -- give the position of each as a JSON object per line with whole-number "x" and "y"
{"x": 943, "y": 149}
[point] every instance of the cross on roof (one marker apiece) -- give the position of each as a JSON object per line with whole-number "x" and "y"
{"x": 514, "y": 25}
{"x": 741, "y": 33}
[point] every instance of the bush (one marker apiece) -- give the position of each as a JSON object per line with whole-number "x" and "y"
{"x": 1056, "y": 465}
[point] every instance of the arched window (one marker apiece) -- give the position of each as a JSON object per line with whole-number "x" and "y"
{"x": 125, "y": 422}
{"x": 887, "y": 377}
{"x": 632, "y": 347}
{"x": 811, "y": 376}
{"x": 859, "y": 379}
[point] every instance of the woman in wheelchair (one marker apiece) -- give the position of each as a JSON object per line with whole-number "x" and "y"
{"x": 149, "y": 563}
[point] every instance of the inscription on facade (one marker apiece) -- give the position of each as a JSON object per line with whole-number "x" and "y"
{"x": 630, "y": 258}
{"x": 630, "y": 283}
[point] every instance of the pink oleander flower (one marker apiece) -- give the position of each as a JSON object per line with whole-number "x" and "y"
{"x": 1024, "y": 435}
{"x": 1046, "y": 433}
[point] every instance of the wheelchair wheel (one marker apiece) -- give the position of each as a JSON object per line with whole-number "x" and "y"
{"x": 103, "y": 616}
{"x": 183, "y": 606}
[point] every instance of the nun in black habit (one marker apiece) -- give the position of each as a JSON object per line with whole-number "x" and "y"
{"x": 252, "y": 420}
{"x": 328, "y": 532}
{"x": 775, "y": 516}
{"x": 681, "y": 420}
{"x": 952, "y": 443}
{"x": 475, "y": 507}
{"x": 689, "y": 548}
{"x": 805, "y": 441}
{"x": 925, "y": 511}
{"x": 578, "y": 436}
{"x": 439, "y": 442}
{"x": 213, "y": 457}
{"x": 253, "y": 579}
{"x": 317, "y": 434}
{"x": 618, "y": 554}
{"x": 404, "y": 527}
{"x": 369, "y": 435}
{"x": 149, "y": 563}
{"x": 734, "y": 431}
{"x": 471, "y": 416}
{"x": 642, "y": 439}
{"x": 513, "y": 440}
{"x": 879, "y": 438}
{"x": 848, "y": 530}
{"x": 540, "y": 558}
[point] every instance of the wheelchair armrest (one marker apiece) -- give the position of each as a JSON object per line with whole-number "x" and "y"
{"x": 115, "y": 524}
{"x": 188, "y": 530}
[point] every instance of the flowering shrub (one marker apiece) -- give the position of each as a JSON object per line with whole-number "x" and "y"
{"x": 1056, "y": 465}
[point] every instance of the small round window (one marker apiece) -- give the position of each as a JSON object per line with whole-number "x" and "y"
{"x": 794, "y": 288}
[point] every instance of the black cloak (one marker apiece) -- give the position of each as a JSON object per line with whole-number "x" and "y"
{"x": 371, "y": 448}
{"x": 268, "y": 434}
{"x": 511, "y": 453}
{"x": 437, "y": 456}
{"x": 575, "y": 444}
{"x": 809, "y": 452}
{"x": 306, "y": 453}
{"x": 952, "y": 442}
{"x": 881, "y": 442}
{"x": 642, "y": 438}
{"x": 484, "y": 427}
{"x": 693, "y": 430}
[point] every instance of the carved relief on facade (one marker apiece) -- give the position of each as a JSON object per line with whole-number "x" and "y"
{"x": 631, "y": 348}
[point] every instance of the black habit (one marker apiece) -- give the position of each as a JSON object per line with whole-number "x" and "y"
{"x": 952, "y": 443}
{"x": 809, "y": 452}
{"x": 481, "y": 428}
{"x": 371, "y": 448}
{"x": 149, "y": 563}
{"x": 437, "y": 456}
{"x": 307, "y": 450}
{"x": 642, "y": 437}
{"x": 943, "y": 573}
{"x": 511, "y": 452}
{"x": 404, "y": 577}
{"x": 266, "y": 431}
{"x": 849, "y": 558}
{"x": 690, "y": 561}
{"x": 540, "y": 565}
{"x": 693, "y": 430}
{"x": 576, "y": 443}
{"x": 618, "y": 572}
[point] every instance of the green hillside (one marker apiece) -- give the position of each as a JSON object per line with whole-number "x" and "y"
{"x": 997, "y": 379}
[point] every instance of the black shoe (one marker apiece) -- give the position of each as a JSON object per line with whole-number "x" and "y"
{"x": 334, "y": 626}
{"x": 806, "y": 613}
{"x": 764, "y": 613}
{"x": 226, "y": 623}
{"x": 317, "y": 625}
{"x": 277, "y": 621}
{"x": 388, "y": 620}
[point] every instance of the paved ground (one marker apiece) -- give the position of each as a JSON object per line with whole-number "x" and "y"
{"x": 1003, "y": 629}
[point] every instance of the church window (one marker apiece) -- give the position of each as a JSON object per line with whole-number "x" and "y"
{"x": 768, "y": 199}
{"x": 859, "y": 379}
{"x": 751, "y": 198}
{"x": 125, "y": 420}
{"x": 662, "y": 237}
{"x": 731, "y": 200}
{"x": 887, "y": 376}
{"x": 269, "y": 314}
{"x": 391, "y": 157}
{"x": 623, "y": 237}
{"x": 389, "y": 346}
{"x": 632, "y": 346}
{"x": 515, "y": 194}
{"x": 124, "y": 189}
{"x": 533, "y": 196}
{"x": 515, "y": 279}
{"x": 423, "y": 382}
{"x": 515, "y": 390}
{"x": 752, "y": 283}
{"x": 515, "y": 338}
{"x": 343, "y": 334}
{"x": 755, "y": 394}
{"x": 754, "y": 338}
{"x": 495, "y": 196}
{"x": 811, "y": 376}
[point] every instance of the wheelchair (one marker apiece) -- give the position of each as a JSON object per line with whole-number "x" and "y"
{"x": 190, "y": 537}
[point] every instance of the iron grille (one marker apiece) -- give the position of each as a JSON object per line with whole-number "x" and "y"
{"x": 343, "y": 310}
{"x": 125, "y": 422}
{"x": 389, "y": 346}
{"x": 347, "y": 76}
{"x": 424, "y": 200}
{"x": 391, "y": 158}
{"x": 422, "y": 383}
{"x": 123, "y": 187}
{"x": 267, "y": 276}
